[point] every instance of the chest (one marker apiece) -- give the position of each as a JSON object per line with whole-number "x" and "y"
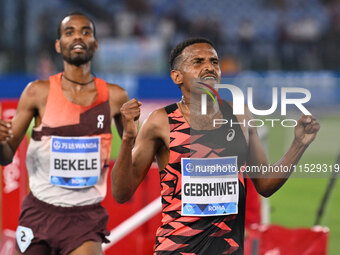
{"x": 82, "y": 96}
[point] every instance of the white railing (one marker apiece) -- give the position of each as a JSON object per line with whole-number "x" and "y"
{"x": 133, "y": 222}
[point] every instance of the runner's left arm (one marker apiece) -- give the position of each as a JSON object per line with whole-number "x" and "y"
{"x": 267, "y": 182}
{"x": 118, "y": 97}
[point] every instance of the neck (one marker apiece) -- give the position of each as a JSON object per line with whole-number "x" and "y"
{"x": 80, "y": 74}
{"x": 194, "y": 104}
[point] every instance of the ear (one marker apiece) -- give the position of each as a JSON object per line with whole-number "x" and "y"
{"x": 57, "y": 46}
{"x": 176, "y": 77}
{"x": 96, "y": 45}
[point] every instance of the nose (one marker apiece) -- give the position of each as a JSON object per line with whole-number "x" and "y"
{"x": 78, "y": 35}
{"x": 208, "y": 66}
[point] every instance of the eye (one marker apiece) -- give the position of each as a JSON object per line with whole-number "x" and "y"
{"x": 215, "y": 62}
{"x": 86, "y": 32}
{"x": 68, "y": 32}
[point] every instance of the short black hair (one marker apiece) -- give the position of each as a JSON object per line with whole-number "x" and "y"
{"x": 76, "y": 14}
{"x": 181, "y": 46}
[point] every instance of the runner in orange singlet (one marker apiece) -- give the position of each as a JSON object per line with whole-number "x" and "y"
{"x": 68, "y": 155}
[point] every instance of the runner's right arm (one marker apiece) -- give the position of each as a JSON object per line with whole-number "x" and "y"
{"x": 136, "y": 152}
{"x": 12, "y": 132}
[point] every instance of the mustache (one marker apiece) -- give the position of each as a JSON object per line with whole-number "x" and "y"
{"x": 209, "y": 72}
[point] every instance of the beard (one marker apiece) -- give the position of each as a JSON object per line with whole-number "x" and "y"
{"x": 78, "y": 59}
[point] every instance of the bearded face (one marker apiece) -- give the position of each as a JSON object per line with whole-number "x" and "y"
{"x": 78, "y": 53}
{"x": 77, "y": 43}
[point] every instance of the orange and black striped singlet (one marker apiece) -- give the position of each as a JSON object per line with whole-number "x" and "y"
{"x": 199, "y": 235}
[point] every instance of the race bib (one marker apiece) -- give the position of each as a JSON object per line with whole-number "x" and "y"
{"x": 75, "y": 161}
{"x": 209, "y": 186}
{"x": 24, "y": 237}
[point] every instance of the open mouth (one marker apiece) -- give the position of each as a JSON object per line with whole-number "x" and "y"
{"x": 78, "y": 47}
{"x": 209, "y": 77}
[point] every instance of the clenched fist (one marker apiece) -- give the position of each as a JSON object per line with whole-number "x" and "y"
{"x": 5, "y": 130}
{"x": 130, "y": 114}
{"x": 306, "y": 129}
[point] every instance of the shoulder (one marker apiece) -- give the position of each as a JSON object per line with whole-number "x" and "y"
{"x": 36, "y": 90}
{"x": 117, "y": 93}
{"x": 158, "y": 116}
{"x": 38, "y": 86}
{"x": 34, "y": 95}
{"x": 157, "y": 123}
{"x": 115, "y": 88}
{"x": 117, "y": 97}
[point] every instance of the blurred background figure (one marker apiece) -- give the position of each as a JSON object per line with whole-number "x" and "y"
{"x": 249, "y": 31}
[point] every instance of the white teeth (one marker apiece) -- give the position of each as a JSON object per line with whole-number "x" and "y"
{"x": 209, "y": 78}
{"x": 77, "y": 47}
